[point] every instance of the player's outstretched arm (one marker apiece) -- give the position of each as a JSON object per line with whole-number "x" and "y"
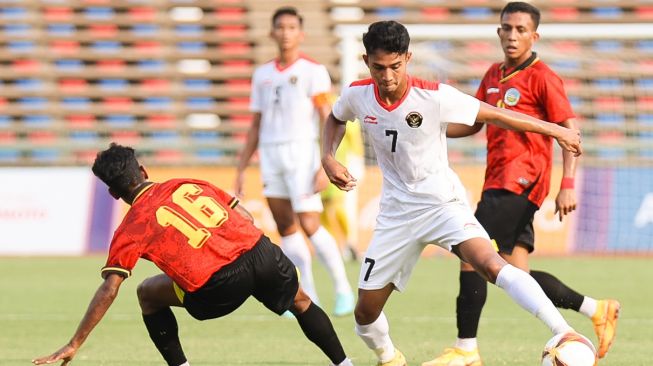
{"x": 455, "y": 130}
{"x": 334, "y": 130}
{"x": 99, "y": 305}
{"x": 568, "y": 139}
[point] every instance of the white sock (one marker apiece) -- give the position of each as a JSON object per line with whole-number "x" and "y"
{"x": 327, "y": 251}
{"x": 525, "y": 291}
{"x": 466, "y": 344}
{"x": 346, "y": 362}
{"x": 376, "y": 336}
{"x": 185, "y": 364}
{"x": 588, "y": 307}
{"x": 294, "y": 246}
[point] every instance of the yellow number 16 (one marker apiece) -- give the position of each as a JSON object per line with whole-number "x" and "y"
{"x": 207, "y": 211}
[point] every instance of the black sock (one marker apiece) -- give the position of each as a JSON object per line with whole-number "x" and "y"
{"x": 162, "y": 327}
{"x": 318, "y": 329}
{"x": 561, "y": 295}
{"x": 469, "y": 304}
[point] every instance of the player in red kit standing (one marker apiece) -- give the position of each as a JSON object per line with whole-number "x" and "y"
{"x": 517, "y": 181}
{"x": 212, "y": 256}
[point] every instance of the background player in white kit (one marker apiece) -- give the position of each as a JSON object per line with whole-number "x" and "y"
{"x": 422, "y": 200}
{"x": 290, "y": 95}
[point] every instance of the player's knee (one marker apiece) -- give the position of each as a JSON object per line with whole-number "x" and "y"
{"x": 143, "y": 293}
{"x": 301, "y": 302}
{"x": 364, "y": 315}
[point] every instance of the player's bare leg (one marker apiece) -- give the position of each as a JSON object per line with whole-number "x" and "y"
{"x": 293, "y": 243}
{"x": 155, "y": 296}
{"x": 318, "y": 328}
{"x": 372, "y": 325}
{"x": 327, "y": 251}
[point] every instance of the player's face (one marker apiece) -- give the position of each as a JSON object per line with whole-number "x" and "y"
{"x": 388, "y": 70}
{"x": 517, "y": 34}
{"x": 287, "y": 32}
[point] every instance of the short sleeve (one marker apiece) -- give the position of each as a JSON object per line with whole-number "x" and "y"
{"x": 123, "y": 255}
{"x": 320, "y": 82}
{"x": 256, "y": 94}
{"x": 554, "y": 98}
{"x": 457, "y": 107}
{"x": 342, "y": 107}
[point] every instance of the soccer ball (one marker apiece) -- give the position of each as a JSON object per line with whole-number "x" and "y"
{"x": 569, "y": 349}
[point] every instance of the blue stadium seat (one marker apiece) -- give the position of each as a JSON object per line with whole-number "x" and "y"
{"x": 145, "y": 30}
{"x": 151, "y": 65}
{"x": 61, "y": 29}
{"x": 32, "y": 102}
{"x": 565, "y": 65}
{"x": 610, "y": 119}
{"x": 439, "y": 46}
{"x": 29, "y": 84}
{"x": 13, "y": 13}
{"x": 5, "y": 121}
{"x": 207, "y": 154}
{"x": 76, "y": 103}
{"x": 69, "y": 65}
{"x": 165, "y": 135}
{"x": 44, "y": 155}
{"x": 390, "y": 12}
{"x": 608, "y": 45}
{"x": 575, "y": 101}
{"x": 121, "y": 120}
{"x": 645, "y": 45}
{"x": 84, "y": 136}
{"x": 8, "y": 155}
{"x": 189, "y": 30}
{"x": 644, "y": 83}
{"x": 191, "y": 46}
{"x": 197, "y": 84}
{"x": 37, "y": 120}
{"x": 607, "y": 12}
{"x": 157, "y": 102}
{"x": 113, "y": 84}
{"x": 21, "y": 46}
{"x": 99, "y": 13}
{"x": 200, "y": 103}
{"x": 16, "y": 29}
{"x": 106, "y": 46}
{"x": 477, "y": 13}
{"x": 608, "y": 83}
{"x": 207, "y": 135}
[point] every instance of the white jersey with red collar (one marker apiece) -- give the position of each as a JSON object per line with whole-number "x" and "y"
{"x": 286, "y": 98}
{"x": 409, "y": 139}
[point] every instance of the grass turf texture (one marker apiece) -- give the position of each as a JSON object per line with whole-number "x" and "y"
{"x": 43, "y": 300}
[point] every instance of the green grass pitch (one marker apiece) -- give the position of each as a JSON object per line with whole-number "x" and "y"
{"x": 43, "y": 300}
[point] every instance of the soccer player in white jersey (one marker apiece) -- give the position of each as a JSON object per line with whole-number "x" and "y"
{"x": 290, "y": 97}
{"x": 422, "y": 199}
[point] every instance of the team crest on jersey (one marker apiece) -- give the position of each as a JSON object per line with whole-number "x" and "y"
{"x": 511, "y": 97}
{"x": 293, "y": 80}
{"x": 414, "y": 119}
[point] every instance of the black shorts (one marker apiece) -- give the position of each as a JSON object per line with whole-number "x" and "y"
{"x": 508, "y": 218}
{"x": 263, "y": 272}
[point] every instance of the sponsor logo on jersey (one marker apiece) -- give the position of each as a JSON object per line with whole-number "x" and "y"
{"x": 512, "y": 97}
{"x": 414, "y": 119}
{"x": 370, "y": 120}
{"x": 293, "y": 80}
{"x": 492, "y": 90}
{"x": 523, "y": 181}
{"x": 470, "y": 225}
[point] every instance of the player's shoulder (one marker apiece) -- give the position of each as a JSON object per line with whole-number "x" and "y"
{"x": 424, "y": 84}
{"x": 541, "y": 71}
{"x": 362, "y": 83}
{"x": 309, "y": 60}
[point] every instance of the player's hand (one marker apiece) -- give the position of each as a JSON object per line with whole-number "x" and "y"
{"x": 320, "y": 181}
{"x": 238, "y": 184}
{"x": 569, "y": 139}
{"x": 565, "y": 202}
{"x": 338, "y": 174}
{"x": 65, "y": 354}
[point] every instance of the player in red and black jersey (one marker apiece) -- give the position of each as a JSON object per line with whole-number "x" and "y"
{"x": 212, "y": 256}
{"x": 517, "y": 180}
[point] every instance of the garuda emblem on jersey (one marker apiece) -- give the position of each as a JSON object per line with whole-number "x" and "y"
{"x": 414, "y": 119}
{"x": 293, "y": 80}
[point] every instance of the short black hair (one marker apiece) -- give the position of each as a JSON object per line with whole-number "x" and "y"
{"x": 118, "y": 168}
{"x": 522, "y": 7}
{"x": 386, "y": 35}
{"x": 287, "y": 10}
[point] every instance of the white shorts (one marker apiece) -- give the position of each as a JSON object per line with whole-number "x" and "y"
{"x": 397, "y": 244}
{"x": 288, "y": 171}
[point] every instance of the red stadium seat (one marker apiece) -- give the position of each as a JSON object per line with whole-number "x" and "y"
{"x": 81, "y": 120}
{"x": 230, "y": 14}
{"x": 64, "y": 47}
{"x": 234, "y": 48}
{"x": 564, "y": 13}
{"x": 72, "y": 85}
{"x": 103, "y": 30}
{"x": 435, "y": 13}
{"x": 24, "y": 65}
{"x": 53, "y": 13}
{"x": 608, "y": 103}
{"x": 160, "y": 85}
{"x": 118, "y": 103}
{"x": 7, "y": 137}
{"x": 241, "y": 85}
{"x": 41, "y": 137}
{"x": 161, "y": 120}
{"x": 227, "y": 31}
{"x": 168, "y": 156}
{"x": 111, "y": 65}
{"x": 142, "y": 13}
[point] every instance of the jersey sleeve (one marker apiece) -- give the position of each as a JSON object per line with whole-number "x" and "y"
{"x": 554, "y": 98}
{"x": 123, "y": 255}
{"x": 457, "y": 107}
{"x": 255, "y": 102}
{"x": 223, "y": 196}
{"x": 481, "y": 92}
{"x": 342, "y": 107}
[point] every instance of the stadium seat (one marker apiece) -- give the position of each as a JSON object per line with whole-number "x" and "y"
{"x": 151, "y": 65}
{"x": 564, "y": 13}
{"x": 145, "y": 30}
{"x": 16, "y": 30}
{"x": 120, "y": 120}
{"x": 7, "y": 137}
{"x": 191, "y": 46}
{"x": 61, "y": 29}
{"x": 157, "y": 103}
{"x": 130, "y": 138}
{"x": 388, "y": 13}
{"x": 103, "y": 30}
{"x": 189, "y": 30}
{"x": 41, "y": 137}
{"x": 99, "y": 13}
{"x": 9, "y": 155}
{"x": 200, "y": 103}
{"x": 58, "y": 13}
{"x": 72, "y": 85}
{"x": 113, "y": 85}
{"x": 607, "y": 12}
{"x": 5, "y": 121}
{"x": 117, "y": 103}
{"x": 477, "y": 13}
{"x": 611, "y": 119}
{"x": 155, "y": 85}
{"x": 21, "y": 46}
{"x": 44, "y": 155}
{"x": 106, "y": 46}
{"x": 29, "y": 84}
{"x": 32, "y": 103}
{"x": 109, "y": 65}
{"x": 8, "y": 12}
{"x": 197, "y": 84}
{"x": 434, "y": 13}
{"x": 68, "y": 65}
{"x": 142, "y": 13}
{"x": 38, "y": 120}
{"x": 64, "y": 47}
{"x": 76, "y": 103}
{"x": 644, "y": 12}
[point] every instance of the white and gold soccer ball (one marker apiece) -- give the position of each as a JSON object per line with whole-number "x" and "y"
{"x": 569, "y": 349}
